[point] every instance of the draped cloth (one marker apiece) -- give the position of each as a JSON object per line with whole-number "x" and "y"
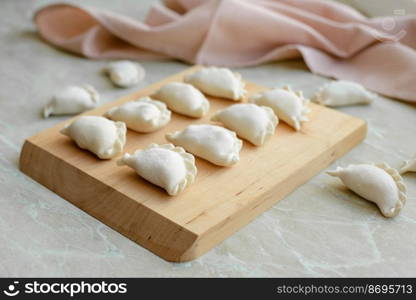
{"x": 333, "y": 39}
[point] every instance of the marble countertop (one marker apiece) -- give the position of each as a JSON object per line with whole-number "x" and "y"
{"x": 318, "y": 230}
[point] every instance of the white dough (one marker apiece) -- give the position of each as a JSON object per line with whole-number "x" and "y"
{"x": 99, "y": 135}
{"x": 125, "y": 73}
{"x": 289, "y": 106}
{"x": 251, "y": 122}
{"x": 72, "y": 100}
{"x": 343, "y": 93}
{"x": 183, "y": 99}
{"x": 216, "y": 144}
{"x": 142, "y": 115}
{"x": 166, "y": 166}
{"x": 409, "y": 166}
{"x": 377, "y": 183}
{"x": 218, "y": 82}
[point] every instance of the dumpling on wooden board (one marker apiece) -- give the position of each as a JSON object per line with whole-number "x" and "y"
{"x": 184, "y": 99}
{"x": 254, "y": 123}
{"x": 218, "y": 82}
{"x": 166, "y": 166}
{"x": 142, "y": 115}
{"x": 103, "y": 137}
{"x": 289, "y": 106}
{"x": 216, "y": 144}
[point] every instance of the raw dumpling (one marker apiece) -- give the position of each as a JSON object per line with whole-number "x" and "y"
{"x": 377, "y": 183}
{"x": 289, "y": 106}
{"x": 218, "y": 82}
{"x": 125, "y": 73}
{"x": 409, "y": 166}
{"x": 184, "y": 99}
{"x": 72, "y": 100}
{"x": 99, "y": 135}
{"x": 251, "y": 122}
{"x": 216, "y": 144}
{"x": 166, "y": 166}
{"x": 343, "y": 93}
{"x": 142, "y": 115}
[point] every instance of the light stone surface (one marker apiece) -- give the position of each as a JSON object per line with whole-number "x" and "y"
{"x": 319, "y": 230}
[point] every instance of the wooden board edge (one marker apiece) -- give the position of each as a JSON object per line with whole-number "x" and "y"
{"x": 148, "y": 228}
{"x": 187, "y": 245}
{"x": 233, "y": 223}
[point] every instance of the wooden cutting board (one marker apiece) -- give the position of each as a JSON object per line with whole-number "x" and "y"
{"x": 220, "y": 201}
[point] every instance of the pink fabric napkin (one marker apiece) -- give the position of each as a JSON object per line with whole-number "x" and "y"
{"x": 333, "y": 39}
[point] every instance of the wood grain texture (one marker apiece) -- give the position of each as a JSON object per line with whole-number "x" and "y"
{"x": 220, "y": 201}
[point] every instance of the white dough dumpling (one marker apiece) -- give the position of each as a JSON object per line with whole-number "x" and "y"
{"x": 289, "y": 106}
{"x": 254, "y": 123}
{"x": 408, "y": 166}
{"x": 103, "y": 137}
{"x": 125, "y": 73}
{"x": 166, "y": 166}
{"x": 183, "y": 99}
{"x": 72, "y": 100}
{"x": 218, "y": 82}
{"x": 142, "y": 115}
{"x": 377, "y": 183}
{"x": 343, "y": 93}
{"x": 216, "y": 144}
